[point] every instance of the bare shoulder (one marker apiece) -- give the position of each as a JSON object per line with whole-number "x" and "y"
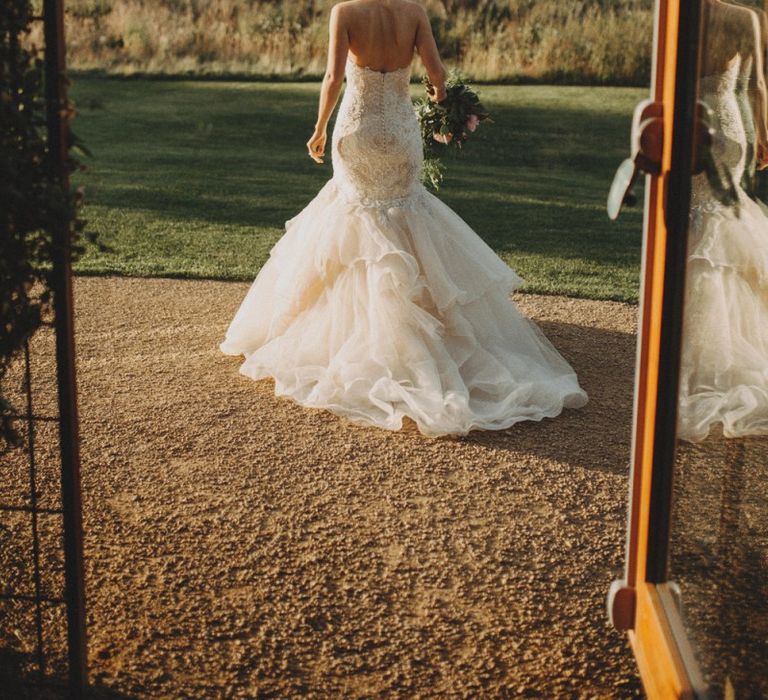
{"x": 341, "y": 7}
{"x": 735, "y": 14}
{"x": 345, "y": 8}
{"x": 413, "y": 8}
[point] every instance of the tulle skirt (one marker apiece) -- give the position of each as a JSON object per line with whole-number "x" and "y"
{"x": 724, "y": 368}
{"x": 379, "y": 313}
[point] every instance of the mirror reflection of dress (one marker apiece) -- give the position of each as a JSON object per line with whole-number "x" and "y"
{"x": 380, "y": 303}
{"x": 724, "y": 366}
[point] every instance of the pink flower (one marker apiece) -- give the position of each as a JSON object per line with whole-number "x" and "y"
{"x": 442, "y": 138}
{"x": 472, "y": 122}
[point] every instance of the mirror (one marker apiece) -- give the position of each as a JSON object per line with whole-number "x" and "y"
{"x": 719, "y": 531}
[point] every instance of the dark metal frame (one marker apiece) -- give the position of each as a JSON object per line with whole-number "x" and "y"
{"x": 58, "y": 130}
{"x": 63, "y": 324}
{"x": 38, "y": 599}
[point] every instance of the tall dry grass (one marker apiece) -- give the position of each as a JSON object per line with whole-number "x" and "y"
{"x": 603, "y": 41}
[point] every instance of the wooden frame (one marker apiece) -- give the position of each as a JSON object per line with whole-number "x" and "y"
{"x": 644, "y": 603}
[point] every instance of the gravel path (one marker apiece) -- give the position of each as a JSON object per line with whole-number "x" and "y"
{"x": 242, "y": 546}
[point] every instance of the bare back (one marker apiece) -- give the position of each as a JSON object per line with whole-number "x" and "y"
{"x": 382, "y": 33}
{"x": 377, "y": 34}
{"x": 732, "y": 30}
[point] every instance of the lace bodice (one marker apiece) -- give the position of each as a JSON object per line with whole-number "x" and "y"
{"x": 726, "y": 95}
{"x": 376, "y": 144}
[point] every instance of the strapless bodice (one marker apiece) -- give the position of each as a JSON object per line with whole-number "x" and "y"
{"x": 372, "y": 85}
{"x": 723, "y": 93}
{"x": 377, "y": 149}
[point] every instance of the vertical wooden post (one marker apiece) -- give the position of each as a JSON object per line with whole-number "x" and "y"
{"x": 53, "y": 13}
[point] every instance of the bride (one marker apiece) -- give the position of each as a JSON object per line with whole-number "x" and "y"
{"x": 379, "y": 303}
{"x": 724, "y": 363}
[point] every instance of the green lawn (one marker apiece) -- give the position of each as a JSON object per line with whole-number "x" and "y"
{"x": 196, "y": 179}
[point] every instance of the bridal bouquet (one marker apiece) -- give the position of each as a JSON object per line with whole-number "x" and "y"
{"x": 446, "y": 125}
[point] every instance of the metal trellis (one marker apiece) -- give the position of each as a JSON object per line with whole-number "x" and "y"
{"x": 73, "y": 598}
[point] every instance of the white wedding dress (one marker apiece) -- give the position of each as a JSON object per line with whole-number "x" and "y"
{"x": 379, "y": 302}
{"x": 724, "y": 364}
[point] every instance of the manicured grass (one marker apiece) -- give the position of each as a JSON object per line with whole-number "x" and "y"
{"x": 196, "y": 179}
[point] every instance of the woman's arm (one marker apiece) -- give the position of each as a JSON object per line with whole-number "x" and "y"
{"x": 338, "y": 46}
{"x": 761, "y": 91}
{"x": 430, "y": 56}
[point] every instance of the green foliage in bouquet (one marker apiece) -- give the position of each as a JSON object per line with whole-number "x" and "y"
{"x": 32, "y": 203}
{"x": 447, "y": 124}
{"x": 432, "y": 172}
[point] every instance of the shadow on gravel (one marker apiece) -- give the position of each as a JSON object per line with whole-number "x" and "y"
{"x": 18, "y": 682}
{"x": 598, "y": 436}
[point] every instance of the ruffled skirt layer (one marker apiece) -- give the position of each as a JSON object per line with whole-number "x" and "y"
{"x": 724, "y": 372}
{"x": 378, "y": 313}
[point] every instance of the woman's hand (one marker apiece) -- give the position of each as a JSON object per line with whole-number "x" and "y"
{"x": 762, "y": 155}
{"x": 316, "y": 145}
{"x": 435, "y": 94}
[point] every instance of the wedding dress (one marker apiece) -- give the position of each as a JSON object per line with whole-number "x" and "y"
{"x": 379, "y": 302}
{"x": 724, "y": 364}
